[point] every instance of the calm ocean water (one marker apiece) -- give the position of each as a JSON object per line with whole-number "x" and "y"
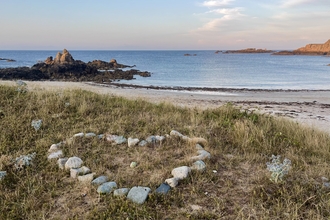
{"x": 206, "y": 69}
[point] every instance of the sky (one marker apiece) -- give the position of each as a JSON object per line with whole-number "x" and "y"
{"x": 162, "y": 25}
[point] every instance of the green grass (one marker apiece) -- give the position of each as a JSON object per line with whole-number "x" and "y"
{"x": 240, "y": 144}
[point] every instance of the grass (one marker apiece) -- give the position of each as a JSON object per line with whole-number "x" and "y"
{"x": 240, "y": 144}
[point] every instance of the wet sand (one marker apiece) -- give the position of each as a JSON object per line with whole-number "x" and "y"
{"x": 307, "y": 107}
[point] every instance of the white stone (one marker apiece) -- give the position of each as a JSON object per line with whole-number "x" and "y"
{"x": 121, "y": 192}
{"x": 198, "y": 165}
{"x": 111, "y": 137}
{"x": 61, "y": 162}
{"x": 79, "y": 135}
{"x": 54, "y": 147}
{"x": 159, "y": 138}
{"x": 181, "y": 172}
{"x": 74, "y": 173}
{"x": 133, "y": 164}
{"x": 172, "y": 182}
{"x": 88, "y": 135}
{"x": 55, "y": 155}
{"x": 73, "y": 162}
{"x": 176, "y": 133}
{"x": 199, "y": 147}
{"x": 138, "y": 194}
{"x": 88, "y": 178}
{"x": 2, "y": 174}
{"x": 132, "y": 141}
{"x": 100, "y": 180}
{"x": 203, "y": 154}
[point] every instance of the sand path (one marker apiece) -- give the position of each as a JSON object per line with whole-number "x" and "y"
{"x": 309, "y": 108}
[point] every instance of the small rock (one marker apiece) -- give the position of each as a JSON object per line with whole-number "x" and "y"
{"x": 159, "y": 138}
{"x": 106, "y": 187}
{"x": 326, "y": 184}
{"x": 151, "y": 139}
{"x": 79, "y": 135}
{"x": 89, "y": 135}
{"x": 176, "y": 133}
{"x": 73, "y": 162}
{"x": 324, "y": 179}
{"x": 36, "y": 124}
{"x": 138, "y": 194}
{"x": 163, "y": 188}
{"x": 100, "y": 180}
{"x": 24, "y": 160}
{"x": 172, "y": 182}
{"x": 86, "y": 178}
{"x": 55, "y": 155}
{"x": 132, "y": 142}
{"x": 2, "y": 174}
{"x": 54, "y": 147}
{"x": 100, "y": 136}
{"x": 111, "y": 137}
{"x": 199, "y": 147}
{"x": 196, "y": 207}
{"x": 74, "y": 173}
{"x": 61, "y": 162}
{"x": 181, "y": 172}
{"x": 143, "y": 143}
{"x": 120, "y": 140}
{"x": 199, "y": 165}
{"x": 133, "y": 165}
{"x": 121, "y": 192}
{"x": 203, "y": 154}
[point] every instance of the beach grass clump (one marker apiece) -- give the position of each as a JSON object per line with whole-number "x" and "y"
{"x": 235, "y": 184}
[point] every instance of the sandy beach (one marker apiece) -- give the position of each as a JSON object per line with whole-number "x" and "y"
{"x": 306, "y": 107}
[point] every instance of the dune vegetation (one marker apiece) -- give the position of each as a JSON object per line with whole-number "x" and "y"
{"x": 235, "y": 184}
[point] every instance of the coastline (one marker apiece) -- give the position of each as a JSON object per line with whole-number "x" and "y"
{"x": 307, "y": 107}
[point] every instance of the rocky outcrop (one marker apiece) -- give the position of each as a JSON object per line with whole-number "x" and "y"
{"x": 309, "y": 49}
{"x": 65, "y": 68}
{"x": 8, "y": 60}
{"x": 248, "y": 50}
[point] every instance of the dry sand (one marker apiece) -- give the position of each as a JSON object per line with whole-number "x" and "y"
{"x": 308, "y": 108}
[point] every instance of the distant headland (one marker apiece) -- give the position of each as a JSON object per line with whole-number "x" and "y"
{"x": 247, "y": 50}
{"x": 309, "y": 49}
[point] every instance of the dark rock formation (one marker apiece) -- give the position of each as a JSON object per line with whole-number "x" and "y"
{"x": 218, "y": 51}
{"x": 8, "y": 60}
{"x": 65, "y": 68}
{"x": 249, "y": 50}
{"x": 309, "y": 49}
{"x": 188, "y": 54}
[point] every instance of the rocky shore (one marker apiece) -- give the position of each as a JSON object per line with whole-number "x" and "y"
{"x": 8, "y": 60}
{"x": 65, "y": 68}
{"x": 309, "y": 49}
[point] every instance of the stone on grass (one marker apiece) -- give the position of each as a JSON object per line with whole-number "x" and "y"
{"x": 74, "y": 173}
{"x": 176, "y": 133}
{"x": 86, "y": 178}
{"x": 172, "y": 182}
{"x": 199, "y": 147}
{"x": 132, "y": 141}
{"x": 23, "y": 161}
{"x": 111, "y": 137}
{"x": 138, "y": 194}
{"x": 100, "y": 180}
{"x": 199, "y": 165}
{"x": 181, "y": 172}
{"x": 73, "y": 162}
{"x": 120, "y": 140}
{"x": 159, "y": 138}
{"x": 203, "y": 154}
{"x": 54, "y": 147}
{"x": 61, "y": 162}
{"x": 143, "y": 143}
{"x": 121, "y": 192}
{"x": 55, "y": 155}
{"x": 151, "y": 139}
{"x": 106, "y": 187}
{"x": 163, "y": 188}
{"x": 133, "y": 164}
{"x": 79, "y": 135}
{"x": 88, "y": 135}
{"x": 100, "y": 136}
{"x": 2, "y": 174}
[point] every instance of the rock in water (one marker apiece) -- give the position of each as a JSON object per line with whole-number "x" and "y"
{"x": 138, "y": 194}
{"x": 106, "y": 188}
{"x": 73, "y": 163}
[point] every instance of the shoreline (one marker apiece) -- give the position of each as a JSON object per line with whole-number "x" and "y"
{"x": 307, "y": 107}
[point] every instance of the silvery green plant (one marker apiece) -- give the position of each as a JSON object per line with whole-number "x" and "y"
{"x": 21, "y": 86}
{"x": 36, "y": 124}
{"x": 278, "y": 169}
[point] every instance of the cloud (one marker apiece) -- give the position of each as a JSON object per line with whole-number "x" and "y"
{"x": 216, "y": 3}
{"x": 293, "y": 3}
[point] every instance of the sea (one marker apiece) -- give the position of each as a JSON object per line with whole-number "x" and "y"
{"x": 203, "y": 68}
